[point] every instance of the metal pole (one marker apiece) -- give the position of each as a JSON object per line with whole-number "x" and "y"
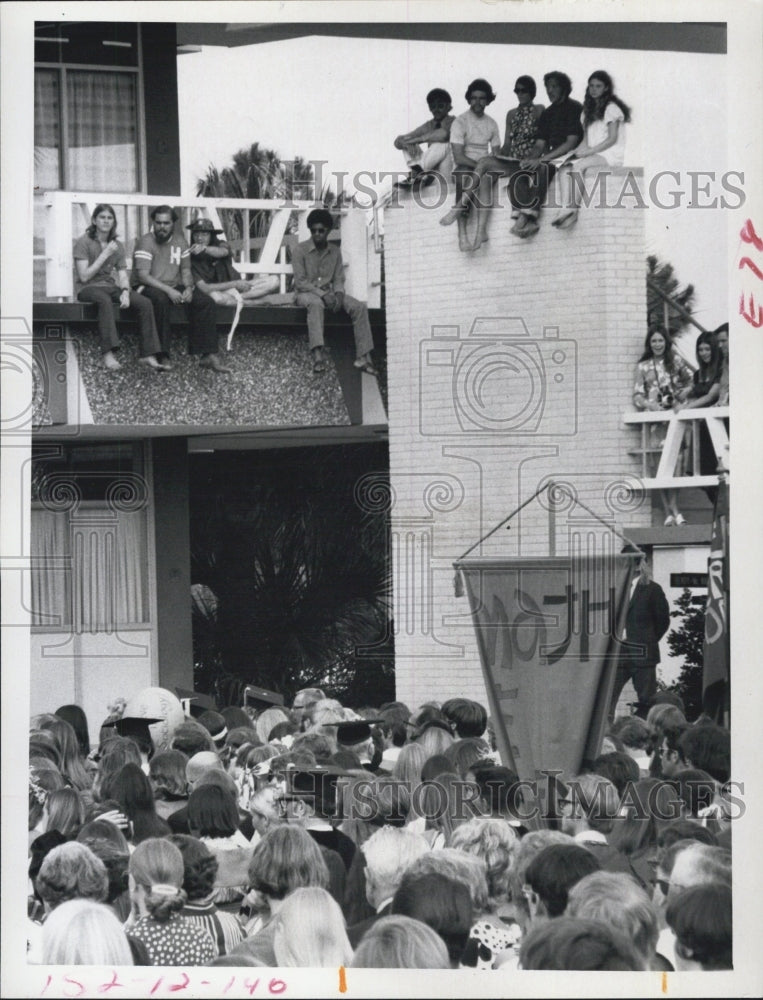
{"x": 551, "y": 520}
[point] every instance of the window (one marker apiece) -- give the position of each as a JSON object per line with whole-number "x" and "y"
{"x": 89, "y": 538}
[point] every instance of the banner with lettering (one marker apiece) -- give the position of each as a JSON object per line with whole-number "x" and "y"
{"x": 715, "y": 661}
{"x": 547, "y": 631}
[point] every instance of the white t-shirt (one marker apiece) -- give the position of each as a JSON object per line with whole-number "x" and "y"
{"x": 598, "y": 131}
{"x": 475, "y": 134}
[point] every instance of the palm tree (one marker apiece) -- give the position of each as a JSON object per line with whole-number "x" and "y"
{"x": 256, "y": 172}
{"x": 296, "y": 582}
{"x": 660, "y": 277}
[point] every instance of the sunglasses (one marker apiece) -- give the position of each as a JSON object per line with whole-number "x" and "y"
{"x": 521, "y": 90}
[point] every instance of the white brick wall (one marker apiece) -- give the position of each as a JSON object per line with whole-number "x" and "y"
{"x": 451, "y": 482}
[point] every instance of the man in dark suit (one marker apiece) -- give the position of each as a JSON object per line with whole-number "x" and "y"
{"x": 647, "y": 621}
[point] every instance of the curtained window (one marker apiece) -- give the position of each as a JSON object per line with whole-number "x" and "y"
{"x": 89, "y": 569}
{"x": 101, "y": 149}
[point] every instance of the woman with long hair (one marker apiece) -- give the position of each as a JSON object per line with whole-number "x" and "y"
{"x": 101, "y": 268}
{"x": 604, "y": 115}
{"x": 156, "y": 890}
{"x": 705, "y": 391}
{"x": 310, "y": 931}
{"x": 132, "y": 790}
{"x": 71, "y": 763}
{"x": 77, "y": 719}
{"x": 663, "y": 381}
{"x": 166, "y": 772}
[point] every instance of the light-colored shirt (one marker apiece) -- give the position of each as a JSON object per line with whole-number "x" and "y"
{"x": 317, "y": 271}
{"x": 475, "y": 134}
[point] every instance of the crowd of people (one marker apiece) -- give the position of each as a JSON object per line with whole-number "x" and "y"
{"x": 321, "y": 836}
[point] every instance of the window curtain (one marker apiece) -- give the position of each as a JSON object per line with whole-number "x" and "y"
{"x": 102, "y": 142}
{"x": 47, "y": 130}
{"x": 105, "y": 585}
{"x": 51, "y": 573}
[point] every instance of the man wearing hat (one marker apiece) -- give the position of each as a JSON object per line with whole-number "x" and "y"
{"x": 319, "y": 284}
{"x": 212, "y": 270}
{"x": 162, "y": 270}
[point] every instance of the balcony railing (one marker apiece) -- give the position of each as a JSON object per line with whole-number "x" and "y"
{"x": 68, "y": 213}
{"x": 659, "y": 464}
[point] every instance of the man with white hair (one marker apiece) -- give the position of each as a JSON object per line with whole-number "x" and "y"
{"x": 388, "y": 853}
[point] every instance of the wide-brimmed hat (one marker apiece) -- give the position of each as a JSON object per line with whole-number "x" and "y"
{"x": 203, "y": 226}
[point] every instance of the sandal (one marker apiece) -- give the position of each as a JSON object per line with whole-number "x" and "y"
{"x": 319, "y": 365}
{"x": 367, "y": 367}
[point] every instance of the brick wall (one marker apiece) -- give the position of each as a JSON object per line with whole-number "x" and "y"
{"x": 506, "y": 366}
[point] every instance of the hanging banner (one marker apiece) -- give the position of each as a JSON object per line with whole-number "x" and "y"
{"x": 547, "y": 631}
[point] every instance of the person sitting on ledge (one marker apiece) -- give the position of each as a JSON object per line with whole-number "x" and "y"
{"x": 472, "y": 136}
{"x": 212, "y": 269}
{"x": 521, "y": 129}
{"x": 424, "y": 164}
{"x": 163, "y": 274}
{"x": 319, "y": 283}
{"x": 604, "y": 115}
{"x": 99, "y": 259}
{"x": 559, "y": 132}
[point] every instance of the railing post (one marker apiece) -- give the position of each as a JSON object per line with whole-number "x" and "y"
{"x": 59, "y": 278}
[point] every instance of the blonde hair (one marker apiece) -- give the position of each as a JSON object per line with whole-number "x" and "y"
{"x": 81, "y": 932}
{"x": 268, "y": 720}
{"x": 401, "y": 943}
{"x": 495, "y": 842}
{"x": 157, "y": 866}
{"x": 310, "y": 931}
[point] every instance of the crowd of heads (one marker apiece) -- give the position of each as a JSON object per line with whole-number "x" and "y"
{"x": 322, "y": 836}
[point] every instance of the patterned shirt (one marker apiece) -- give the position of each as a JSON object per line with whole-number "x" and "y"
{"x": 223, "y": 927}
{"x": 177, "y": 941}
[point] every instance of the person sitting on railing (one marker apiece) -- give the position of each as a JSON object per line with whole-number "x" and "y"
{"x": 472, "y": 136}
{"x": 423, "y": 164}
{"x": 99, "y": 260}
{"x": 163, "y": 273}
{"x": 663, "y": 382}
{"x": 213, "y": 272}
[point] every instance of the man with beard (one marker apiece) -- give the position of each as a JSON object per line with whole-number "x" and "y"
{"x": 162, "y": 271}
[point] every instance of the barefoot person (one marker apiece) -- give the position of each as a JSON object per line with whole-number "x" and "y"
{"x": 319, "y": 284}
{"x": 473, "y": 136}
{"x": 99, "y": 260}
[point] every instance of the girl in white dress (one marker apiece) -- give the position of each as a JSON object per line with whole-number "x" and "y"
{"x": 603, "y": 118}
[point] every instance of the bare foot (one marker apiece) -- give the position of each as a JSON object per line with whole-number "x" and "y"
{"x": 110, "y": 363}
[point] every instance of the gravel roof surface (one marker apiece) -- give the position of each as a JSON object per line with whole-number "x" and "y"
{"x": 272, "y": 383}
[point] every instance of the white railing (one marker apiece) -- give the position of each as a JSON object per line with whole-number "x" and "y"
{"x": 68, "y": 214}
{"x": 658, "y": 464}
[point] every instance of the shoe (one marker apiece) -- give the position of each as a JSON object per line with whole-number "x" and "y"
{"x": 452, "y": 216}
{"x": 319, "y": 363}
{"x": 422, "y": 181}
{"x": 566, "y": 221}
{"x": 151, "y": 362}
{"x": 530, "y": 229}
{"x": 367, "y": 367}
{"x": 519, "y": 225}
{"x": 405, "y": 185}
{"x": 213, "y": 362}
{"x": 669, "y": 521}
{"x": 680, "y": 519}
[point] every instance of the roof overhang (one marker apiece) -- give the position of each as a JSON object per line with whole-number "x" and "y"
{"x": 675, "y": 36}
